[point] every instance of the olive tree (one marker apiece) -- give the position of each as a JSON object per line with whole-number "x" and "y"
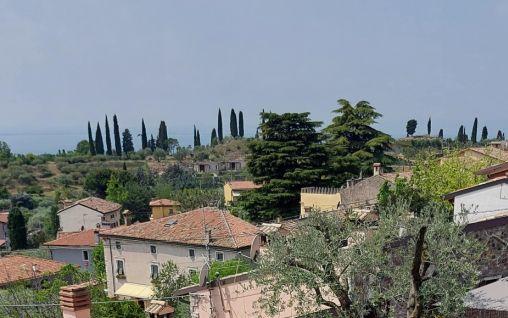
{"x": 365, "y": 270}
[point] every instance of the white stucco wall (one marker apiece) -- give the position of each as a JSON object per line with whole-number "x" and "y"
{"x": 482, "y": 203}
{"x": 138, "y": 258}
{"x": 74, "y": 217}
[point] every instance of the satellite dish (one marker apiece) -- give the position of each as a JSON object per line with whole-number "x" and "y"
{"x": 203, "y": 275}
{"x": 254, "y": 247}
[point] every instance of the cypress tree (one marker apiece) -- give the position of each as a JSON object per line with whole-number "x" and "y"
{"x": 213, "y": 140}
{"x": 109, "y": 150}
{"x": 162, "y": 137}
{"x": 198, "y": 139}
{"x": 144, "y": 139}
{"x": 127, "y": 144}
{"x": 195, "y": 137}
{"x": 257, "y": 133}
{"x": 474, "y": 131}
{"x": 485, "y": 133}
{"x": 429, "y": 126}
{"x": 124, "y": 166}
{"x": 440, "y": 133}
{"x": 90, "y": 140}
{"x": 240, "y": 124}
{"x": 99, "y": 144}
{"x": 17, "y": 229}
{"x": 460, "y": 134}
{"x": 153, "y": 145}
{"x": 219, "y": 127}
{"x": 499, "y": 135}
{"x": 233, "y": 125}
{"x": 116, "y": 132}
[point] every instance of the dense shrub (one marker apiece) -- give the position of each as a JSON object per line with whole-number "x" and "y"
{"x": 27, "y": 178}
{"x": 23, "y": 200}
{"x": 34, "y": 189}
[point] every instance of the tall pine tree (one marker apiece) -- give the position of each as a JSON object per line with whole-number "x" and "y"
{"x": 213, "y": 139}
{"x": 440, "y": 133}
{"x": 240, "y": 124}
{"x": 127, "y": 143}
{"x": 460, "y": 134}
{"x": 233, "y": 124}
{"x": 116, "y": 132}
{"x": 144, "y": 138}
{"x": 162, "y": 137}
{"x": 109, "y": 150}
{"x": 219, "y": 127}
{"x": 429, "y": 127}
{"x": 485, "y": 133}
{"x": 99, "y": 144}
{"x": 91, "y": 143}
{"x": 474, "y": 131}
{"x": 153, "y": 144}
{"x": 195, "y": 137}
{"x": 17, "y": 229}
{"x": 499, "y": 135}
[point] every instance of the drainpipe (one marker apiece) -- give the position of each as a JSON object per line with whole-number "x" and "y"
{"x": 112, "y": 265}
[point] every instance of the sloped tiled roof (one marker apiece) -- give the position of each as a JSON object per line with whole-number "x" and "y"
{"x": 83, "y": 238}
{"x": 163, "y": 202}
{"x": 189, "y": 228}
{"x": 14, "y": 268}
{"x": 4, "y": 217}
{"x": 97, "y": 204}
{"x": 243, "y": 185}
{"x": 492, "y": 152}
{"x": 482, "y": 185}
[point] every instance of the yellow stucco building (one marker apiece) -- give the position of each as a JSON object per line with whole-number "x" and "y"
{"x": 318, "y": 199}
{"x": 164, "y": 207}
{"x": 233, "y": 189}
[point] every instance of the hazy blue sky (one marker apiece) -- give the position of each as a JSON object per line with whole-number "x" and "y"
{"x": 63, "y": 63}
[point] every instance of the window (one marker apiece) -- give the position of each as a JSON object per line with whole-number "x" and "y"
{"x": 192, "y": 253}
{"x": 112, "y": 216}
{"x": 85, "y": 255}
{"x": 154, "y": 271}
{"x": 119, "y": 267}
{"x": 118, "y": 245}
{"x": 153, "y": 249}
{"x": 219, "y": 256}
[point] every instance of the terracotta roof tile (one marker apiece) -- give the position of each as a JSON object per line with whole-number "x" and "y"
{"x": 14, "y": 268}
{"x": 164, "y": 202}
{"x": 4, "y": 217}
{"x": 189, "y": 228}
{"x": 243, "y": 185}
{"x": 97, "y": 204}
{"x": 83, "y": 238}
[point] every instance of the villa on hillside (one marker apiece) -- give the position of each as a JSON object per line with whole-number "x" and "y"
{"x": 89, "y": 213}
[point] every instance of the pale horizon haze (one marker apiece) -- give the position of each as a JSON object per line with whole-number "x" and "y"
{"x": 64, "y": 63}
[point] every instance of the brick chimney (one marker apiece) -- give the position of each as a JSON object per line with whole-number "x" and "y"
{"x": 377, "y": 169}
{"x": 127, "y": 217}
{"x": 75, "y": 301}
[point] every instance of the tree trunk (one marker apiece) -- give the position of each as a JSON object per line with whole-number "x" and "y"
{"x": 414, "y": 308}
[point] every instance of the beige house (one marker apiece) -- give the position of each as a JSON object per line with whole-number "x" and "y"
{"x": 4, "y": 232}
{"x": 89, "y": 213}
{"x": 318, "y": 199}
{"x": 234, "y": 189}
{"x": 164, "y": 207}
{"x": 134, "y": 254}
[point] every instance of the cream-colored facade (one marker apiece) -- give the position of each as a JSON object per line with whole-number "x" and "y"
{"x": 318, "y": 199}
{"x": 138, "y": 257}
{"x": 228, "y": 194}
{"x": 78, "y": 217}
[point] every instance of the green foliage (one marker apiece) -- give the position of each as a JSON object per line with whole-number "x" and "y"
{"x": 436, "y": 177}
{"x": 99, "y": 264}
{"x": 17, "y": 229}
{"x": 379, "y": 264}
{"x": 411, "y": 127}
{"x": 26, "y": 178}
{"x": 4, "y": 193}
{"x": 485, "y": 133}
{"x": 169, "y": 280}
{"x": 402, "y": 190}
{"x": 159, "y": 154}
{"x": 214, "y": 141}
{"x": 23, "y": 200}
{"x": 353, "y": 143}
{"x": 290, "y": 156}
{"x": 132, "y": 196}
{"x": 109, "y": 148}
{"x": 162, "y": 137}
{"x": 230, "y": 267}
{"x": 5, "y": 151}
{"x": 91, "y": 143}
{"x": 82, "y": 147}
{"x": 462, "y": 137}
{"x": 97, "y": 180}
{"x": 429, "y": 126}
{"x": 219, "y": 127}
{"x": 127, "y": 144}
{"x": 474, "y": 131}
{"x": 99, "y": 143}
{"x": 144, "y": 138}
{"x": 240, "y": 124}
{"x": 116, "y": 131}
{"x": 190, "y": 198}
{"x": 440, "y": 135}
{"x": 233, "y": 125}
